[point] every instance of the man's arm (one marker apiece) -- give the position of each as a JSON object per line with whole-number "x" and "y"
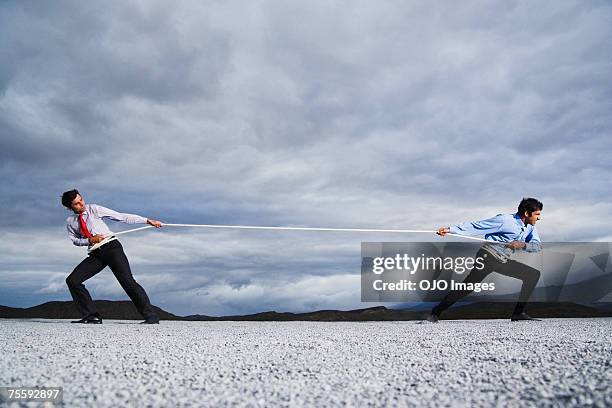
{"x": 482, "y": 227}
{"x": 75, "y": 239}
{"x": 104, "y": 212}
{"x": 533, "y": 242}
{"x": 82, "y": 241}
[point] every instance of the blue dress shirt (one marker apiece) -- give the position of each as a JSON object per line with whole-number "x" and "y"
{"x": 502, "y": 228}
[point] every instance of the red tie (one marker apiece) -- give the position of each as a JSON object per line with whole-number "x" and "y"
{"x": 84, "y": 229}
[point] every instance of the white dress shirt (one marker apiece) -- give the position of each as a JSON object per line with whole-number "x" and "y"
{"x": 92, "y": 216}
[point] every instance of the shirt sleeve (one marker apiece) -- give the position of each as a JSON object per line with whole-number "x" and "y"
{"x": 104, "y": 212}
{"x": 534, "y": 244}
{"x": 76, "y": 240}
{"x": 482, "y": 227}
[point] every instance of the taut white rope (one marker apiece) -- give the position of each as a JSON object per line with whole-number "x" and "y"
{"x": 401, "y": 231}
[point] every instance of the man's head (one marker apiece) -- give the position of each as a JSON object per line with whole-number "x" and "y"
{"x": 72, "y": 200}
{"x": 529, "y": 210}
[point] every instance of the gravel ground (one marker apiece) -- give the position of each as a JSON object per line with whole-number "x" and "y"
{"x": 556, "y": 362}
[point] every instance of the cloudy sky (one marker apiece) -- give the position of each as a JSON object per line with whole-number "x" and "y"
{"x": 343, "y": 114}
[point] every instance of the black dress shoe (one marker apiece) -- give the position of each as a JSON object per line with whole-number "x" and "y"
{"x": 91, "y": 319}
{"x": 151, "y": 320}
{"x": 432, "y": 318}
{"x": 522, "y": 316}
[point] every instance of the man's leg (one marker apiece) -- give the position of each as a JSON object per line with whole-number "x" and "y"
{"x": 527, "y": 274}
{"x": 120, "y": 266}
{"x": 474, "y": 276}
{"x": 83, "y": 271}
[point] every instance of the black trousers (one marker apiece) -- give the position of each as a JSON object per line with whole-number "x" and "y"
{"x": 527, "y": 274}
{"x": 111, "y": 255}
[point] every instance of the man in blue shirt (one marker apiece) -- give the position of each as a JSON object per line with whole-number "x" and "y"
{"x": 508, "y": 233}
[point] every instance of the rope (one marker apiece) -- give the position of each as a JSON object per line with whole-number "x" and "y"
{"x": 401, "y": 231}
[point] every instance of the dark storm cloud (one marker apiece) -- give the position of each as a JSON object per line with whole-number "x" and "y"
{"x": 386, "y": 114}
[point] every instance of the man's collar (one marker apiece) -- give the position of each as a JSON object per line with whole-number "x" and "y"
{"x": 519, "y": 220}
{"x": 85, "y": 211}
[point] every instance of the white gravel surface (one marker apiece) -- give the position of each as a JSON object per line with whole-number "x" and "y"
{"x": 556, "y": 362}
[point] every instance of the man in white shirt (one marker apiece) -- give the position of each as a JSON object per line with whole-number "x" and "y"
{"x": 86, "y": 227}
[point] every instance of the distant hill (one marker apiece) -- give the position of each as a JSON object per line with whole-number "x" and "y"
{"x": 125, "y": 310}
{"x": 368, "y": 314}
{"x": 587, "y": 292}
{"x": 109, "y": 309}
{"x": 479, "y": 310}
{"x": 501, "y": 310}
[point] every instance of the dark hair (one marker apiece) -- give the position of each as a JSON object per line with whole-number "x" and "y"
{"x": 68, "y": 196}
{"x": 530, "y": 205}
